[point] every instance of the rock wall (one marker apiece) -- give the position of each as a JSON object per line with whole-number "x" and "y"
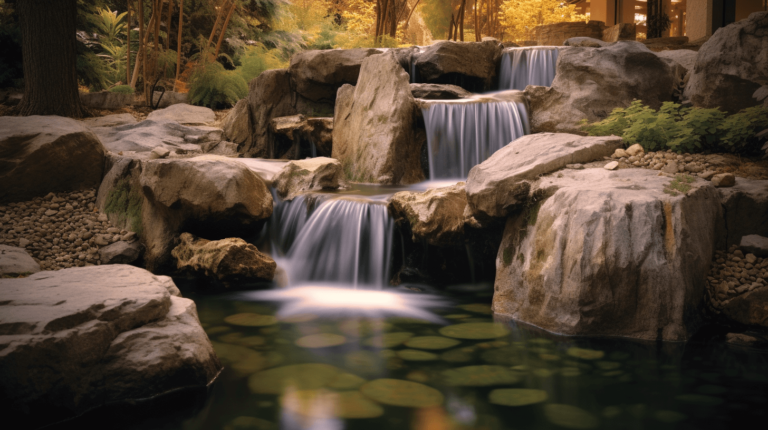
{"x": 556, "y": 34}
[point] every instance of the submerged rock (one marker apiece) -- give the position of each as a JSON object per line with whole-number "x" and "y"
{"x": 226, "y": 259}
{"x": 16, "y": 261}
{"x": 299, "y": 176}
{"x": 185, "y": 114}
{"x": 80, "y": 338}
{"x": 609, "y": 253}
{"x": 435, "y": 216}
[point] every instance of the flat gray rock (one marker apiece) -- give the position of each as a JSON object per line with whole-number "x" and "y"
{"x": 16, "y": 261}
{"x": 754, "y": 244}
{"x": 150, "y": 134}
{"x": 109, "y": 120}
{"x": 266, "y": 169}
{"x": 120, "y": 252}
{"x": 184, "y": 114}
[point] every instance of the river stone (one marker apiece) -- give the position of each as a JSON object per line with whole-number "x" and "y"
{"x": 724, "y": 180}
{"x": 169, "y": 98}
{"x": 145, "y": 136}
{"x": 755, "y": 244}
{"x": 323, "y": 404}
{"x": 501, "y": 183}
{"x": 120, "y": 252}
{"x": 746, "y": 211}
{"x": 185, "y": 114}
{"x": 750, "y": 308}
{"x": 43, "y": 154}
{"x": 226, "y": 259}
{"x": 731, "y": 66}
{"x": 592, "y": 82}
{"x": 16, "y": 261}
{"x": 66, "y": 332}
{"x": 311, "y": 376}
{"x": 438, "y": 92}
{"x": 609, "y": 253}
{"x": 396, "y": 392}
{"x": 445, "y": 61}
{"x": 300, "y": 176}
{"x": 373, "y": 133}
{"x": 435, "y": 216}
{"x": 516, "y": 396}
{"x": 318, "y": 74}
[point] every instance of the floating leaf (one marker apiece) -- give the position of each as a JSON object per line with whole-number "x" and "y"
{"x": 570, "y": 371}
{"x": 389, "y": 340}
{"x": 612, "y": 373}
{"x": 297, "y": 376}
{"x": 250, "y": 320}
{"x": 549, "y": 357}
{"x": 478, "y": 308}
{"x": 416, "y": 355}
{"x": 517, "y": 396}
{"x": 508, "y": 355}
{"x": 475, "y": 330}
{"x": 607, "y": 365}
{"x": 250, "y": 341}
{"x": 321, "y": 340}
{"x": 329, "y": 404}
{"x": 363, "y": 327}
{"x": 699, "y": 399}
{"x": 245, "y": 360}
{"x": 417, "y": 376}
{"x": 670, "y": 417}
{"x": 585, "y": 354}
{"x": 543, "y": 373}
{"x": 570, "y": 416}
{"x": 296, "y": 319}
{"x": 396, "y": 392}
{"x": 346, "y": 381}
{"x": 431, "y": 342}
{"x": 459, "y": 355}
{"x": 480, "y": 376}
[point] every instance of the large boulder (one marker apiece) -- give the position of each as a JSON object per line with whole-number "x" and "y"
{"x": 43, "y": 154}
{"x": 226, "y": 260}
{"x": 79, "y": 338}
{"x": 471, "y": 65}
{"x": 686, "y": 58}
{"x": 373, "y": 134}
{"x": 732, "y": 66}
{"x": 591, "y": 82}
{"x": 184, "y": 114}
{"x": 208, "y": 195}
{"x": 435, "y": 216}
{"x": 318, "y": 74}
{"x": 750, "y": 308}
{"x": 609, "y": 253}
{"x": 746, "y": 211}
{"x": 502, "y": 183}
{"x": 149, "y": 134}
{"x": 300, "y": 176}
{"x": 16, "y": 261}
{"x": 237, "y": 125}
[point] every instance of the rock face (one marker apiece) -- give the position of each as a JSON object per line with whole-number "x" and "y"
{"x": 237, "y": 125}
{"x": 609, "y": 253}
{"x": 43, "y": 154}
{"x": 299, "y": 176}
{"x": 226, "y": 260}
{"x": 731, "y": 66}
{"x": 746, "y": 211}
{"x": 684, "y": 57}
{"x": 755, "y": 244}
{"x": 439, "y": 92}
{"x": 78, "y": 338}
{"x": 211, "y": 194}
{"x": 591, "y": 82}
{"x": 435, "y": 216}
{"x": 469, "y": 65}
{"x": 297, "y": 137}
{"x": 184, "y": 114}
{"x": 147, "y": 135}
{"x": 16, "y": 261}
{"x": 502, "y": 182}
{"x": 373, "y": 133}
{"x": 318, "y": 74}
{"x": 750, "y": 308}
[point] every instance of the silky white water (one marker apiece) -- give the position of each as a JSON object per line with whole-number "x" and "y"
{"x": 521, "y": 67}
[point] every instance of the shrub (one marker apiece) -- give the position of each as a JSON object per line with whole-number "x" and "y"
{"x": 213, "y": 86}
{"x": 683, "y": 129}
{"x": 256, "y": 59}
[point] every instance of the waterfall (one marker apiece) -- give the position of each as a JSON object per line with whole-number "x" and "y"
{"x": 464, "y": 133}
{"x": 521, "y": 67}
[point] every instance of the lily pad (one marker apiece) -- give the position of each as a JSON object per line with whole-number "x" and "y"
{"x": 508, "y": 355}
{"x": 321, "y": 340}
{"x": 475, "y": 330}
{"x": 396, "y": 392}
{"x": 416, "y": 355}
{"x": 245, "y": 360}
{"x": 346, "y": 381}
{"x": 517, "y": 396}
{"x": 585, "y": 354}
{"x": 570, "y": 416}
{"x": 329, "y": 404}
{"x": 699, "y": 399}
{"x": 296, "y": 319}
{"x": 480, "y": 376}
{"x": 459, "y": 355}
{"x": 363, "y": 327}
{"x": 431, "y": 342}
{"x": 388, "y": 340}
{"x": 607, "y": 365}
{"x": 543, "y": 373}
{"x": 251, "y": 320}
{"x": 250, "y": 341}
{"x": 231, "y": 337}
{"x": 417, "y": 376}
{"x": 478, "y": 308}
{"x": 296, "y": 377}
{"x": 670, "y": 417}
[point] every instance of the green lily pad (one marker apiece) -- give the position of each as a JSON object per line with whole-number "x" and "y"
{"x": 218, "y": 329}
{"x": 508, "y": 355}
{"x": 607, "y": 365}
{"x": 321, "y": 340}
{"x": 570, "y": 416}
{"x": 416, "y": 355}
{"x": 329, "y": 404}
{"x": 612, "y": 373}
{"x": 231, "y": 337}
{"x": 388, "y": 340}
{"x": 475, "y": 330}
{"x": 417, "y": 376}
{"x": 346, "y": 381}
{"x": 549, "y": 357}
{"x": 251, "y": 341}
{"x": 251, "y": 320}
{"x": 521, "y": 368}
{"x": 431, "y": 342}
{"x": 543, "y": 373}
{"x": 363, "y": 327}
{"x": 478, "y": 308}
{"x": 458, "y": 355}
{"x": 297, "y": 319}
{"x": 699, "y": 399}
{"x": 670, "y": 417}
{"x": 396, "y": 392}
{"x": 516, "y": 396}
{"x": 585, "y": 354}
{"x": 245, "y": 360}
{"x": 296, "y": 377}
{"x": 480, "y": 376}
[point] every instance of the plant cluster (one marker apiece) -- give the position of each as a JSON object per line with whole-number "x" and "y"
{"x": 684, "y": 129}
{"x": 681, "y": 184}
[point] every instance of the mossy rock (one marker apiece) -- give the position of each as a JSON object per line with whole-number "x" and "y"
{"x": 396, "y": 392}
{"x": 248, "y": 319}
{"x": 517, "y": 396}
{"x": 310, "y": 376}
{"x": 416, "y": 355}
{"x": 329, "y": 404}
{"x": 475, "y": 330}
{"x": 389, "y": 340}
{"x": 480, "y": 376}
{"x": 431, "y": 342}
{"x": 346, "y": 381}
{"x": 478, "y": 308}
{"x": 321, "y": 340}
{"x": 570, "y": 416}
{"x": 585, "y": 354}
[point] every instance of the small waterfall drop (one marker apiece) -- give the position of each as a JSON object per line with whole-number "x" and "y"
{"x": 521, "y": 67}
{"x": 464, "y": 133}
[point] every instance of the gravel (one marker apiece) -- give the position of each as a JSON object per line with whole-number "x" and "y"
{"x": 734, "y": 273}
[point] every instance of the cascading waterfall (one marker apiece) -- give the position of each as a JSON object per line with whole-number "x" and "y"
{"x": 465, "y": 133}
{"x": 521, "y": 67}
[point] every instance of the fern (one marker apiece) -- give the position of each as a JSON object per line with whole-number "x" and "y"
{"x": 256, "y": 59}
{"x": 213, "y": 86}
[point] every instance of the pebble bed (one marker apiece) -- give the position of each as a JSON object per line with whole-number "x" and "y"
{"x": 59, "y": 230}
{"x": 734, "y": 273}
{"x": 678, "y": 163}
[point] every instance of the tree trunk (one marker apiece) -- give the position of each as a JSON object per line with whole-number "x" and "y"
{"x": 128, "y": 46}
{"x": 478, "y": 32}
{"x": 49, "y": 49}
{"x": 461, "y": 19}
{"x": 178, "y": 43}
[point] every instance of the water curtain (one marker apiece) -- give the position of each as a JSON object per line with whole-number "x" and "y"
{"x": 521, "y": 67}
{"x": 461, "y": 135}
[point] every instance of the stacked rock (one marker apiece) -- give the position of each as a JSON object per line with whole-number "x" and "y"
{"x": 733, "y": 274}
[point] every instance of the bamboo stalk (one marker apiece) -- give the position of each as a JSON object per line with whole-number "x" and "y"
{"x": 223, "y": 30}
{"x": 216, "y": 24}
{"x": 128, "y": 64}
{"x": 143, "y": 37}
{"x": 168, "y": 26}
{"x": 461, "y": 19}
{"x": 178, "y": 43}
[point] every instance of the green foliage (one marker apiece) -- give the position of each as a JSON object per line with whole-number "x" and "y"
{"x": 437, "y": 15}
{"x": 92, "y": 70}
{"x": 683, "y": 129}
{"x": 213, "y": 86}
{"x": 681, "y": 184}
{"x": 256, "y": 59}
{"x": 110, "y": 25}
{"x": 123, "y": 89}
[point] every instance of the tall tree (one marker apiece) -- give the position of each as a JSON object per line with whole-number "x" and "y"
{"x": 49, "y": 48}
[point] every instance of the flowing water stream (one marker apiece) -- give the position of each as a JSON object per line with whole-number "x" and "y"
{"x": 521, "y": 67}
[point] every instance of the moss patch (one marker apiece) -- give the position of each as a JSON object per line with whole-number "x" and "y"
{"x": 507, "y": 256}
{"x": 126, "y": 203}
{"x": 681, "y": 184}
{"x": 533, "y": 212}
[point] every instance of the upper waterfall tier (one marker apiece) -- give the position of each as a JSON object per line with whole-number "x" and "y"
{"x": 463, "y": 133}
{"x": 521, "y": 67}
